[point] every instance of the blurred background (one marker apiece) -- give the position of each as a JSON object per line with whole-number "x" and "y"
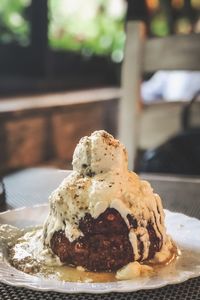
{"x": 60, "y": 76}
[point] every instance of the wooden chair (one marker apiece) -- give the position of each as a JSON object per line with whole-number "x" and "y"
{"x": 177, "y": 52}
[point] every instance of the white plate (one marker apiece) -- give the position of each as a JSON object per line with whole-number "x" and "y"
{"x": 184, "y": 230}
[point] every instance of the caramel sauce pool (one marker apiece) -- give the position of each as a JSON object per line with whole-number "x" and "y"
{"x": 21, "y": 259}
{"x": 66, "y": 273}
{"x": 70, "y": 274}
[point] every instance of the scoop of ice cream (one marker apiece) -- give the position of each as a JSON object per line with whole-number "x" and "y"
{"x": 99, "y": 153}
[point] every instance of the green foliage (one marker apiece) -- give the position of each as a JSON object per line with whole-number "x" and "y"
{"x": 159, "y": 25}
{"x": 13, "y": 24}
{"x": 90, "y": 27}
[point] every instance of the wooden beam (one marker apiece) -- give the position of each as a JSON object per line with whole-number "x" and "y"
{"x": 178, "y": 52}
{"x": 56, "y": 100}
{"x": 130, "y": 83}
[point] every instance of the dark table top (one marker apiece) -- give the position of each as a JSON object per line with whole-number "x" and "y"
{"x": 33, "y": 186}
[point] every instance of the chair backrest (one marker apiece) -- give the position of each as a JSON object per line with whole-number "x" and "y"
{"x": 177, "y": 52}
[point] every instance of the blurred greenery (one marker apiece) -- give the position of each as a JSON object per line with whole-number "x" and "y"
{"x": 159, "y": 25}
{"x": 13, "y": 25}
{"x": 90, "y": 27}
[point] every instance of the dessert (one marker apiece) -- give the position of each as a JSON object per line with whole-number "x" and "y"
{"x": 103, "y": 217}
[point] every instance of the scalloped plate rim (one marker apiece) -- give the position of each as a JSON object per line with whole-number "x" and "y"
{"x": 85, "y": 287}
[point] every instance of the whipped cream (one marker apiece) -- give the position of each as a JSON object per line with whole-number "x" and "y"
{"x": 101, "y": 179}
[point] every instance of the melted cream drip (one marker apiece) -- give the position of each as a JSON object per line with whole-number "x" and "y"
{"x": 101, "y": 179}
